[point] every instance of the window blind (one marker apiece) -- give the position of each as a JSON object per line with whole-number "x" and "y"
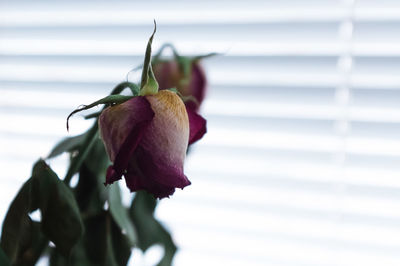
{"x": 300, "y": 165}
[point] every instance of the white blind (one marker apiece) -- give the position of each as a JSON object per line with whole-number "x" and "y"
{"x": 301, "y": 162}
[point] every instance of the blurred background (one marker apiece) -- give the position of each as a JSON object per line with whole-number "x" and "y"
{"x": 301, "y": 163}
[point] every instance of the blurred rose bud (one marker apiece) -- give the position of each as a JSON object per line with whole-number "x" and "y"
{"x": 184, "y": 74}
{"x": 146, "y": 138}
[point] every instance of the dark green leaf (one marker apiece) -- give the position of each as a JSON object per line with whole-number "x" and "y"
{"x": 90, "y": 138}
{"x": 21, "y": 239}
{"x": 97, "y": 161}
{"x": 120, "y": 244}
{"x": 37, "y": 244}
{"x": 95, "y": 241}
{"x": 67, "y": 145}
{"x": 90, "y": 192}
{"x": 149, "y": 230}
{"x": 3, "y": 258}
{"x": 15, "y": 237}
{"x": 61, "y": 221}
{"x": 56, "y": 259}
{"x": 104, "y": 242}
{"x": 120, "y": 213}
{"x": 77, "y": 258}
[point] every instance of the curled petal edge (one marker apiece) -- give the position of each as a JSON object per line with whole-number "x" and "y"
{"x": 197, "y": 125}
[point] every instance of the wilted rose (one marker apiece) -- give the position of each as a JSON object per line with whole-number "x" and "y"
{"x": 146, "y": 138}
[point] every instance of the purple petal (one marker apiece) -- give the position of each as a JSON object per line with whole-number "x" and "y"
{"x": 169, "y": 74}
{"x": 111, "y": 176}
{"x": 122, "y": 127}
{"x": 157, "y": 165}
{"x": 197, "y": 125}
{"x": 158, "y": 180}
{"x": 197, "y": 86}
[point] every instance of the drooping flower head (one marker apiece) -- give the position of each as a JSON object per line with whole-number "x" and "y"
{"x": 147, "y": 136}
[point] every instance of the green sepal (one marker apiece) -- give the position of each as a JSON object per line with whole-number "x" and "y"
{"x": 158, "y": 55}
{"x": 149, "y": 84}
{"x": 93, "y": 115}
{"x": 111, "y": 99}
{"x": 199, "y": 57}
{"x": 185, "y": 99}
{"x": 117, "y": 90}
{"x": 135, "y": 89}
{"x": 185, "y": 64}
{"x": 123, "y": 85}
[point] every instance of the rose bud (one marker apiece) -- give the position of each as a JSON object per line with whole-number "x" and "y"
{"x": 171, "y": 74}
{"x": 183, "y": 73}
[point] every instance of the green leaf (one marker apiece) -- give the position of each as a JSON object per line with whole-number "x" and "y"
{"x": 89, "y": 192}
{"x": 149, "y": 230}
{"x": 120, "y": 244}
{"x": 22, "y": 240}
{"x": 104, "y": 242}
{"x": 90, "y": 138}
{"x": 17, "y": 226}
{"x": 38, "y": 242}
{"x": 95, "y": 241}
{"x": 77, "y": 258}
{"x": 3, "y": 258}
{"x": 120, "y": 213}
{"x": 61, "y": 221}
{"x": 67, "y": 145}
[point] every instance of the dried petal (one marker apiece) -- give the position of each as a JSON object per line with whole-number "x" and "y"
{"x": 146, "y": 139}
